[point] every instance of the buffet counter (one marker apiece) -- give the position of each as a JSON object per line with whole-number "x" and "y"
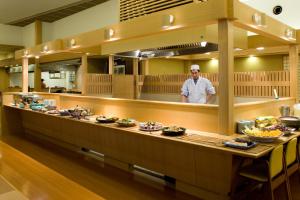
{"x": 197, "y": 160}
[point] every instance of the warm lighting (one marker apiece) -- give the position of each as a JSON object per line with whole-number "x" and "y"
{"x": 87, "y": 53}
{"x": 214, "y": 61}
{"x": 238, "y": 49}
{"x": 203, "y": 43}
{"x": 259, "y": 19}
{"x": 73, "y": 43}
{"x": 208, "y": 53}
{"x": 26, "y": 52}
{"x": 37, "y": 57}
{"x": 45, "y": 49}
{"x": 251, "y": 56}
{"x": 289, "y": 34}
{"x": 260, "y": 48}
{"x": 109, "y": 34}
{"x": 167, "y": 21}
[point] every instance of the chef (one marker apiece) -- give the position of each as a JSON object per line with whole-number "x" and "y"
{"x": 197, "y": 89}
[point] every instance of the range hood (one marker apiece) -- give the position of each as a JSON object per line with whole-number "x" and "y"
{"x": 169, "y": 51}
{"x": 66, "y": 65}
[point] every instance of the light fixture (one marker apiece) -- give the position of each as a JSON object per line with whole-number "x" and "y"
{"x": 251, "y": 56}
{"x": 168, "y": 20}
{"x": 289, "y": 33}
{"x": 260, "y": 48}
{"x": 45, "y": 49}
{"x": 37, "y": 57}
{"x": 259, "y": 19}
{"x": 73, "y": 43}
{"x": 238, "y": 49}
{"x": 26, "y": 52}
{"x": 87, "y": 53}
{"x": 203, "y": 43}
{"x": 207, "y": 53}
{"x": 109, "y": 33}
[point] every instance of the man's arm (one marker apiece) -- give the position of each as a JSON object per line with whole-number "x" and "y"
{"x": 184, "y": 99}
{"x": 184, "y": 93}
{"x": 211, "y": 93}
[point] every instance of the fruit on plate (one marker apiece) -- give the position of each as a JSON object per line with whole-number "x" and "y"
{"x": 105, "y": 119}
{"x": 256, "y": 132}
{"x": 265, "y": 121}
{"x": 173, "y": 130}
{"x": 150, "y": 126}
{"x": 126, "y": 122}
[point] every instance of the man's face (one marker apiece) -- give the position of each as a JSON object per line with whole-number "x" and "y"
{"x": 195, "y": 74}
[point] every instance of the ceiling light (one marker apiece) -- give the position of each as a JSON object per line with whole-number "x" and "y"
{"x": 167, "y": 21}
{"x": 251, "y": 56}
{"x": 259, "y": 19}
{"x": 238, "y": 49}
{"x": 203, "y": 44}
{"x": 73, "y": 43}
{"x": 260, "y": 48}
{"x": 208, "y": 53}
{"x": 88, "y": 54}
{"x": 109, "y": 33}
{"x": 45, "y": 49}
{"x": 37, "y": 57}
{"x": 289, "y": 33}
{"x": 26, "y": 52}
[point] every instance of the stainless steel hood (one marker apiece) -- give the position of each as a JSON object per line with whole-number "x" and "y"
{"x": 169, "y": 51}
{"x": 66, "y": 65}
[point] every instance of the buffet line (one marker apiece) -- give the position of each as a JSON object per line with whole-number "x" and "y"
{"x": 252, "y": 133}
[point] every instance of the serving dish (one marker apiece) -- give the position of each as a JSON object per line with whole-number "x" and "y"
{"x": 104, "y": 119}
{"x": 290, "y": 121}
{"x": 173, "y": 131}
{"x": 150, "y": 126}
{"x": 240, "y": 145}
{"x": 259, "y": 135}
{"x": 126, "y": 122}
{"x": 64, "y": 113}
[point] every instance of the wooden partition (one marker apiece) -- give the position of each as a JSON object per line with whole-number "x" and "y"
{"x": 98, "y": 84}
{"x": 246, "y": 84}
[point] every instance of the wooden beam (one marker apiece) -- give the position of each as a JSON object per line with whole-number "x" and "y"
{"x": 37, "y": 76}
{"x": 84, "y": 72}
{"x": 293, "y": 62}
{"x": 145, "y": 67}
{"x": 110, "y": 64}
{"x": 25, "y": 75}
{"x": 226, "y": 84}
{"x": 272, "y": 29}
{"x": 135, "y": 66}
{"x": 38, "y": 32}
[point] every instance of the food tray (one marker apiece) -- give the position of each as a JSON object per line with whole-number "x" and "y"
{"x": 107, "y": 120}
{"x": 263, "y": 139}
{"x": 233, "y": 144}
{"x": 173, "y": 133}
{"x": 129, "y": 123}
{"x": 144, "y": 127}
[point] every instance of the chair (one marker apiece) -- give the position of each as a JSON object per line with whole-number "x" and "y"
{"x": 270, "y": 172}
{"x": 291, "y": 159}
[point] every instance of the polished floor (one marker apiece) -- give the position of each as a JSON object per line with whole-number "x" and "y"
{"x": 41, "y": 171}
{"x": 46, "y": 172}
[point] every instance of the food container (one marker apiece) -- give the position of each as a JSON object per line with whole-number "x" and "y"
{"x": 284, "y": 110}
{"x": 242, "y": 124}
{"x": 297, "y": 110}
{"x": 290, "y": 121}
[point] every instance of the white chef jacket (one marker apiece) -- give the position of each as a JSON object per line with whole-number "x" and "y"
{"x": 196, "y": 93}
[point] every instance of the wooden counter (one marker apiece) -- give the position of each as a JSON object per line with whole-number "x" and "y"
{"x": 196, "y": 160}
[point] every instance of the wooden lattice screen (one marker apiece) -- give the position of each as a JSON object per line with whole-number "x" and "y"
{"x": 130, "y": 9}
{"x": 98, "y": 84}
{"x": 250, "y": 84}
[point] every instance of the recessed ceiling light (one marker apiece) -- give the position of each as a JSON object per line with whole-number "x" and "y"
{"x": 203, "y": 43}
{"x": 167, "y": 21}
{"x": 238, "y": 49}
{"x": 260, "y": 48}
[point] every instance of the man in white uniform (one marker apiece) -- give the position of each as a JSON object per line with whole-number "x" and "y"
{"x": 197, "y": 89}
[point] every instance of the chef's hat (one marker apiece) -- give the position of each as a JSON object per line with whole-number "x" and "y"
{"x": 195, "y": 67}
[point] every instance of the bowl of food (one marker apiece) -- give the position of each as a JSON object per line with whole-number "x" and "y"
{"x": 262, "y": 135}
{"x": 173, "y": 131}
{"x": 150, "y": 126}
{"x": 265, "y": 121}
{"x": 126, "y": 122}
{"x": 106, "y": 119}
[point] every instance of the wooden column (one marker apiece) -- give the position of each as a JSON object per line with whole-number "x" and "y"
{"x": 38, "y": 32}
{"x": 135, "y": 66}
{"x": 84, "y": 73}
{"x": 226, "y": 63}
{"x": 37, "y": 76}
{"x": 25, "y": 75}
{"x": 110, "y": 64}
{"x": 145, "y": 67}
{"x": 293, "y": 63}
